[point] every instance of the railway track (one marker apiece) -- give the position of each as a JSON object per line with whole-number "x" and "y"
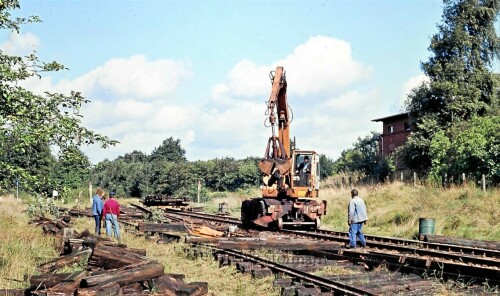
{"x": 305, "y": 277}
{"x": 443, "y": 261}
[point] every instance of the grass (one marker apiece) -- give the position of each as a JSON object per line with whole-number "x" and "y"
{"x": 22, "y": 247}
{"x": 393, "y": 210}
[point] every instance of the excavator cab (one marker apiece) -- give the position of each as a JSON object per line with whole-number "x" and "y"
{"x": 306, "y": 175}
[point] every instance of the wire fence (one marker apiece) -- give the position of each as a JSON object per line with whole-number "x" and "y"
{"x": 408, "y": 178}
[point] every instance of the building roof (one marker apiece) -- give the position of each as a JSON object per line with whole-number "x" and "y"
{"x": 392, "y": 117}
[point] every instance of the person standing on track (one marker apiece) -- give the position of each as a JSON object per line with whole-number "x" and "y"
{"x": 97, "y": 205}
{"x": 357, "y": 216}
{"x": 111, "y": 212}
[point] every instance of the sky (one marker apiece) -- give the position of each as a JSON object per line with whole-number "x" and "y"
{"x": 198, "y": 71}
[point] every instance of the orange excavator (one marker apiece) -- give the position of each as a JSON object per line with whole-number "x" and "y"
{"x": 291, "y": 176}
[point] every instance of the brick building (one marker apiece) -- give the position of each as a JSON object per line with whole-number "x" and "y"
{"x": 396, "y": 128}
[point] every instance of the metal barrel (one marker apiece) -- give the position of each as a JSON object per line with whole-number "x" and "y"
{"x": 426, "y": 226}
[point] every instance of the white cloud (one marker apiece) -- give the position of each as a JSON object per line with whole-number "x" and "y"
{"x": 20, "y": 44}
{"x": 132, "y": 77}
{"x": 323, "y": 65}
{"x": 329, "y": 114}
{"x": 410, "y": 84}
{"x": 136, "y": 102}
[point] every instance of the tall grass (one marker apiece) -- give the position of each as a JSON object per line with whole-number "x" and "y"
{"x": 22, "y": 247}
{"x": 395, "y": 209}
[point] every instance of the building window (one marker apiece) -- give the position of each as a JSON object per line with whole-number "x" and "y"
{"x": 390, "y": 129}
{"x": 407, "y": 126}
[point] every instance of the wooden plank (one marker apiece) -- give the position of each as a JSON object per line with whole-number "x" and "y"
{"x": 108, "y": 257}
{"x": 277, "y": 244}
{"x": 108, "y": 289}
{"x": 161, "y": 227}
{"x": 12, "y": 292}
{"x": 129, "y": 274}
{"x": 62, "y": 261}
{"x": 462, "y": 241}
{"x": 44, "y": 281}
{"x": 193, "y": 289}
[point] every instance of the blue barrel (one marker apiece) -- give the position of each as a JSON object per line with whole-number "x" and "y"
{"x": 426, "y": 226}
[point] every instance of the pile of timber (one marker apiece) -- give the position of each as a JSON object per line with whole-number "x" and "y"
{"x": 109, "y": 268}
{"x": 164, "y": 200}
{"x": 127, "y": 214}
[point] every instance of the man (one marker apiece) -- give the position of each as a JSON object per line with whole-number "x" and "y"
{"x": 304, "y": 170}
{"x": 356, "y": 218}
{"x": 111, "y": 212}
{"x": 97, "y": 205}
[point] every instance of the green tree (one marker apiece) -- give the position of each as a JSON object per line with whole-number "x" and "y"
{"x": 29, "y": 118}
{"x": 462, "y": 85}
{"x": 72, "y": 168}
{"x": 327, "y": 166}
{"x": 169, "y": 150}
{"x": 364, "y": 157}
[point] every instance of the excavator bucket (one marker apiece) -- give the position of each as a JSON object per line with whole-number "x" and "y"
{"x": 268, "y": 166}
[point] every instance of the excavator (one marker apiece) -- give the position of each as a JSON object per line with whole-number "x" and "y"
{"x": 290, "y": 176}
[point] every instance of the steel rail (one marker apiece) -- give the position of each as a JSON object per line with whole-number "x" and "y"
{"x": 464, "y": 254}
{"x": 402, "y": 244}
{"x": 293, "y": 272}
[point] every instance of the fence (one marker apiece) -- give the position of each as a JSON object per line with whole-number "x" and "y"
{"x": 406, "y": 177}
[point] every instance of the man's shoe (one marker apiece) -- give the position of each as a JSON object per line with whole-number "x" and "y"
{"x": 349, "y": 247}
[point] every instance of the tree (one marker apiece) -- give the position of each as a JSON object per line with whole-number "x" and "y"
{"x": 462, "y": 85}
{"x": 36, "y": 159}
{"x": 72, "y": 169}
{"x": 327, "y": 166}
{"x": 30, "y": 119}
{"x": 364, "y": 158}
{"x": 169, "y": 150}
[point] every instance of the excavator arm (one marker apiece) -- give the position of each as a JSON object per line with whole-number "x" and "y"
{"x": 277, "y": 159}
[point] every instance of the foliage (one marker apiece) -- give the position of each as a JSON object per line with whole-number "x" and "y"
{"x": 72, "y": 168}
{"x": 156, "y": 215}
{"x": 41, "y": 207}
{"x": 327, "y": 166}
{"x": 169, "y": 150}
{"x": 35, "y": 159}
{"x": 30, "y": 120}
{"x": 471, "y": 147}
{"x": 462, "y": 85}
{"x": 364, "y": 157}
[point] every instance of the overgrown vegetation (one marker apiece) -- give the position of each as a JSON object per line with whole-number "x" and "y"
{"x": 454, "y": 117}
{"x": 22, "y": 247}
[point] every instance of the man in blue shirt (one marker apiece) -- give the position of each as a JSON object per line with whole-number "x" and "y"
{"x": 356, "y": 218}
{"x": 97, "y": 206}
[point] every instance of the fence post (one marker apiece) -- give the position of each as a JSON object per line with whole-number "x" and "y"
{"x": 402, "y": 177}
{"x": 90, "y": 191}
{"x": 415, "y": 179}
{"x": 199, "y": 190}
{"x": 350, "y": 182}
{"x": 484, "y": 182}
{"x": 464, "y": 182}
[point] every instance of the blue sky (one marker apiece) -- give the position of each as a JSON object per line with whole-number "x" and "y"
{"x": 198, "y": 70}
